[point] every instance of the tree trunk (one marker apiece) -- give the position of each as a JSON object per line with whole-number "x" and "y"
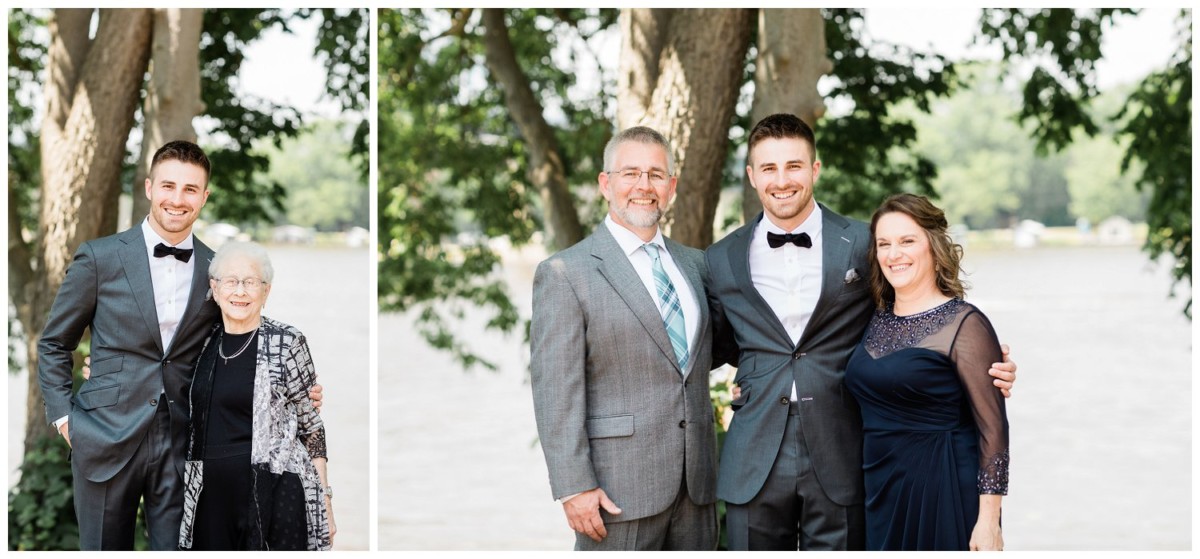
{"x": 546, "y": 169}
{"x": 643, "y": 34}
{"x": 172, "y": 92}
{"x": 791, "y": 59}
{"x": 90, "y": 105}
{"x": 699, "y": 74}
{"x": 69, "y": 45}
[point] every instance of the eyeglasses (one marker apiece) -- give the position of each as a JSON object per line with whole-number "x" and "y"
{"x": 230, "y": 284}
{"x": 631, "y": 177}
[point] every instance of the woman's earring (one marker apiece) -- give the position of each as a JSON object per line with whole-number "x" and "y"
{"x": 208, "y": 296}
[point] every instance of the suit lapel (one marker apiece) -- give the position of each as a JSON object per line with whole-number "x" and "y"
{"x": 616, "y": 268}
{"x": 836, "y": 248}
{"x": 696, "y": 282}
{"x": 739, "y": 262}
{"x": 196, "y": 298}
{"x": 136, "y": 264}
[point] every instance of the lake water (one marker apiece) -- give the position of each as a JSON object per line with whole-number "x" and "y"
{"x": 325, "y": 293}
{"x": 1100, "y": 420}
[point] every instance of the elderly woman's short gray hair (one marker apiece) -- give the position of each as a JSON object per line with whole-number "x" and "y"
{"x": 254, "y": 251}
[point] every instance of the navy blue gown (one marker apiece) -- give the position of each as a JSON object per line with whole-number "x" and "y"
{"x": 935, "y": 433}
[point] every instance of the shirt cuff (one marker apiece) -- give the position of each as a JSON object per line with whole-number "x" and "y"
{"x": 58, "y": 423}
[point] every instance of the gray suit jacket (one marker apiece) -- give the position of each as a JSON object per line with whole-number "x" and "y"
{"x": 747, "y": 333}
{"x": 108, "y": 288}
{"x": 613, "y": 409}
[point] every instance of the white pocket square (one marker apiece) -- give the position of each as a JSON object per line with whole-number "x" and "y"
{"x": 851, "y": 276}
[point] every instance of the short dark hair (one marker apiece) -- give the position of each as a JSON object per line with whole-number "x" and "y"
{"x": 780, "y": 126}
{"x": 947, "y": 254}
{"x": 182, "y": 151}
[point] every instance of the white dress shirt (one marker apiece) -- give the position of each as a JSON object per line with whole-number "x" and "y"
{"x": 788, "y": 277}
{"x": 631, "y": 244}
{"x": 172, "y": 281}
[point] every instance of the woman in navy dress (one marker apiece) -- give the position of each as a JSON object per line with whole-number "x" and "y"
{"x": 935, "y": 433}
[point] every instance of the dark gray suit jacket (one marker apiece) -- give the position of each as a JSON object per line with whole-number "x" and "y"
{"x": 747, "y": 333}
{"x": 613, "y": 409}
{"x": 108, "y": 288}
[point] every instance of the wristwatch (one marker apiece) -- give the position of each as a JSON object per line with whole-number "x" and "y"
{"x": 328, "y": 491}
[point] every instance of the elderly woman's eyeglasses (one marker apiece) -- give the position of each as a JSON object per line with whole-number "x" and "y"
{"x": 631, "y": 176}
{"x": 230, "y": 284}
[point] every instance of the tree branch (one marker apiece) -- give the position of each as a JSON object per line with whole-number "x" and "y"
{"x": 546, "y": 169}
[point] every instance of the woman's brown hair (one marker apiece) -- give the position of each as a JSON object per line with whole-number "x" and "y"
{"x": 947, "y": 254}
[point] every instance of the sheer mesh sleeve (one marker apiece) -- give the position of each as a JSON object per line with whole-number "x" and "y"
{"x": 973, "y": 351}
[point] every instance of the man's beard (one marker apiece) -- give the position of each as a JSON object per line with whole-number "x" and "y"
{"x": 640, "y": 218}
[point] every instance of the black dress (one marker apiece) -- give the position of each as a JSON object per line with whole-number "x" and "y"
{"x": 935, "y": 433}
{"x": 223, "y": 512}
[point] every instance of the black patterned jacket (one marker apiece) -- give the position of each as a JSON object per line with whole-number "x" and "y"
{"x": 287, "y": 430}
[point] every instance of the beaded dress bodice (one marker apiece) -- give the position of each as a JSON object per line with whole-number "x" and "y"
{"x": 928, "y": 372}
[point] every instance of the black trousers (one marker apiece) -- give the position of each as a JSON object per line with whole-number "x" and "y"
{"x": 107, "y": 512}
{"x": 791, "y": 512}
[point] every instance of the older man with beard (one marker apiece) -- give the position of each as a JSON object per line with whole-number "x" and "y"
{"x": 620, "y": 356}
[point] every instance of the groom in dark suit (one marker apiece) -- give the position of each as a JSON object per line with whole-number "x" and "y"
{"x": 143, "y": 294}
{"x": 789, "y": 298}
{"x": 620, "y": 347}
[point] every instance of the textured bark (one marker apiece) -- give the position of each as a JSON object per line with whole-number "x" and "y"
{"x": 791, "y": 60}
{"x": 90, "y": 105}
{"x": 643, "y": 34}
{"x": 699, "y": 73}
{"x": 69, "y": 45}
{"x": 172, "y": 92}
{"x": 546, "y": 169}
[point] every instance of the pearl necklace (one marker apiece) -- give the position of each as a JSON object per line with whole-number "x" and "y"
{"x": 221, "y": 349}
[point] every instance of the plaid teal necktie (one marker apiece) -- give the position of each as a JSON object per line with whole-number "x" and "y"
{"x": 668, "y": 306}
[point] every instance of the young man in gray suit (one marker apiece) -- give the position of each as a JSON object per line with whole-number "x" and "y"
{"x": 620, "y": 347}
{"x": 789, "y": 298}
{"x": 142, "y": 293}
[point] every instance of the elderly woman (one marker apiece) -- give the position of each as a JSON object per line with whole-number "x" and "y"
{"x": 255, "y": 474}
{"x": 935, "y": 433}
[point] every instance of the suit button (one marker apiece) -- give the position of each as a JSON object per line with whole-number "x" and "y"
{"x": 785, "y": 400}
{"x": 683, "y": 424}
{"x": 796, "y": 355}
{"x": 153, "y": 402}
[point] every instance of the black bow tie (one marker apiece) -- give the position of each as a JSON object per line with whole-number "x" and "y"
{"x": 799, "y": 239}
{"x": 180, "y": 254}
